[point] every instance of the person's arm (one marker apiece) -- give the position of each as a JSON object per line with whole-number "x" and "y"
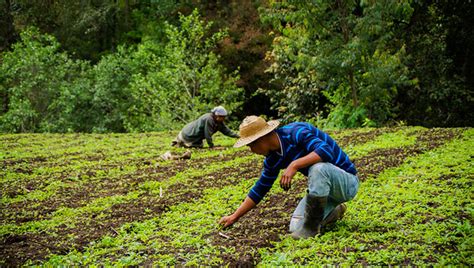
{"x": 256, "y": 194}
{"x": 302, "y": 162}
{"x": 319, "y": 152}
{"x": 226, "y": 131}
{"x": 208, "y": 132}
{"x": 245, "y": 207}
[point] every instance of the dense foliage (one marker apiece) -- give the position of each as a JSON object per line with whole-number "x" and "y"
{"x": 368, "y": 62}
{"x": 150, "y": 87}
{"x": 344, "y": 51}
{"x": 129, "y": 65}
{"x": 43, "y": 85}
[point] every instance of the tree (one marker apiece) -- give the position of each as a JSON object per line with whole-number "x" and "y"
{"x": 110, "y": 92}
{"x": 344, "y": 53}
{"x": 43, "y": 86}
{"x": 184, "y": 80}
{"x": 439, "y": 39}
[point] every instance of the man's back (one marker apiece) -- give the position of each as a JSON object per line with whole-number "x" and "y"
{"x": 195, "y": 129}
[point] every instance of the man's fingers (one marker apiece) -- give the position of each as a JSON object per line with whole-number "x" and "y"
{"x": 223, "y": 221}
{"x": 226, "y": 222}
{"x": 285, "y": 182}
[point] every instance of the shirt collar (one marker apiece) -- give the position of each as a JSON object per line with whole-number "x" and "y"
{"x": 281, "y": 145}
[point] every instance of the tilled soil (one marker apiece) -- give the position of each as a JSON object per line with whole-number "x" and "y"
{"x": 363, "y": 137}
{"x": 377, "y": 161}
{"x": 262, "y": 226}
{"x": 16, "y": 249}
{"x": 270, "y": 219}
{"x": 79, "y": 195}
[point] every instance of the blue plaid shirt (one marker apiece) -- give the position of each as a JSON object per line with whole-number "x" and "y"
{"x": 298, "y": 140}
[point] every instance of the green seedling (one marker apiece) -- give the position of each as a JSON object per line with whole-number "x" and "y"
{"x": 164, "y": 213}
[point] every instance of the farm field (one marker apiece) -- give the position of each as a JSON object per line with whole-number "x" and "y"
{"x": 110, "y": 199}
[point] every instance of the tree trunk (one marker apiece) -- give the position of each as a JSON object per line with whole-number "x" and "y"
{"x": 346, "y": 35}
{"x": 355, "y": 101}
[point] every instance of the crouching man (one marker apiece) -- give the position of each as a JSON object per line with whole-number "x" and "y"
{"x": 332, "y": 178}
{"x": 193, "y": 134}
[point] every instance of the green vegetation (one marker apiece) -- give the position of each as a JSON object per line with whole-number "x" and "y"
{"x": 134, "y": 66}
{"x": 150, "y": 87}
{"x": 96, "y": 199}
{"x": 93, "y": 92}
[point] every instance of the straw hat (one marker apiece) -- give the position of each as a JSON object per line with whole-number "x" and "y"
{"x": 253, "y": 128}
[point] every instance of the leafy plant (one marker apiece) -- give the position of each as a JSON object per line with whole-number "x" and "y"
{"x": 184, "y": 81}
{"x": 45, "y": 88}
{"x": 337, "y": 58}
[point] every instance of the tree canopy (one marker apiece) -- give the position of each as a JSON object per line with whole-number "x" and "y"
{"x": 129, "y": 65}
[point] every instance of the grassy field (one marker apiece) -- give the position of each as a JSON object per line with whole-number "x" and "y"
{"x": 87, "y": 199}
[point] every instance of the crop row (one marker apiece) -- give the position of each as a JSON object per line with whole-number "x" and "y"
{"x": 95, "y": 184}
{"x": 153, "y": 186}
{"x": 87, "y": 171}
{"x": 33, "y": 173}
{"x": 148, "y": 190}
{"x": 77, "y": 226}
{"x": 187, "y": 233}
{"x": 65, "y": 219}
{"x": 51, "y": 188}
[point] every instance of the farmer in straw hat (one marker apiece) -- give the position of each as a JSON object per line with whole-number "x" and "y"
{"x": 193, "y": 134}
{"x": 332, "y": 178}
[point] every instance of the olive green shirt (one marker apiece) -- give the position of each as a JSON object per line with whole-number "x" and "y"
{"x": 203, "y": 128}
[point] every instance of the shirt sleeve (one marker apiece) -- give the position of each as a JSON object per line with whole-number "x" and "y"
{"x": 208, "y": 131}
{"x": 226, "y": 131}
{"x": 308, "y": 139}
{"x": 264, "y": 184}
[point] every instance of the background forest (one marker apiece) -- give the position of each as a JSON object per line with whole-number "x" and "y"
{"x": 132, "y": 66}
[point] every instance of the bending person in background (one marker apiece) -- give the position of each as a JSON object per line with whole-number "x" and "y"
{"x": 332, "y": 178}
{"x": 193, "y": 134}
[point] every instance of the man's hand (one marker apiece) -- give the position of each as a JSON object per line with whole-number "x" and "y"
{"x": 247, "y": 205}
{"x": 285, "y": 180}
{"x": 228, "y": 221}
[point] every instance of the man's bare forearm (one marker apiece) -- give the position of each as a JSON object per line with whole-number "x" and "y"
{"x": 245, "y": 207}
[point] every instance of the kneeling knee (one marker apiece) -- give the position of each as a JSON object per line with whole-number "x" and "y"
{"x": 320, "y": 168}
